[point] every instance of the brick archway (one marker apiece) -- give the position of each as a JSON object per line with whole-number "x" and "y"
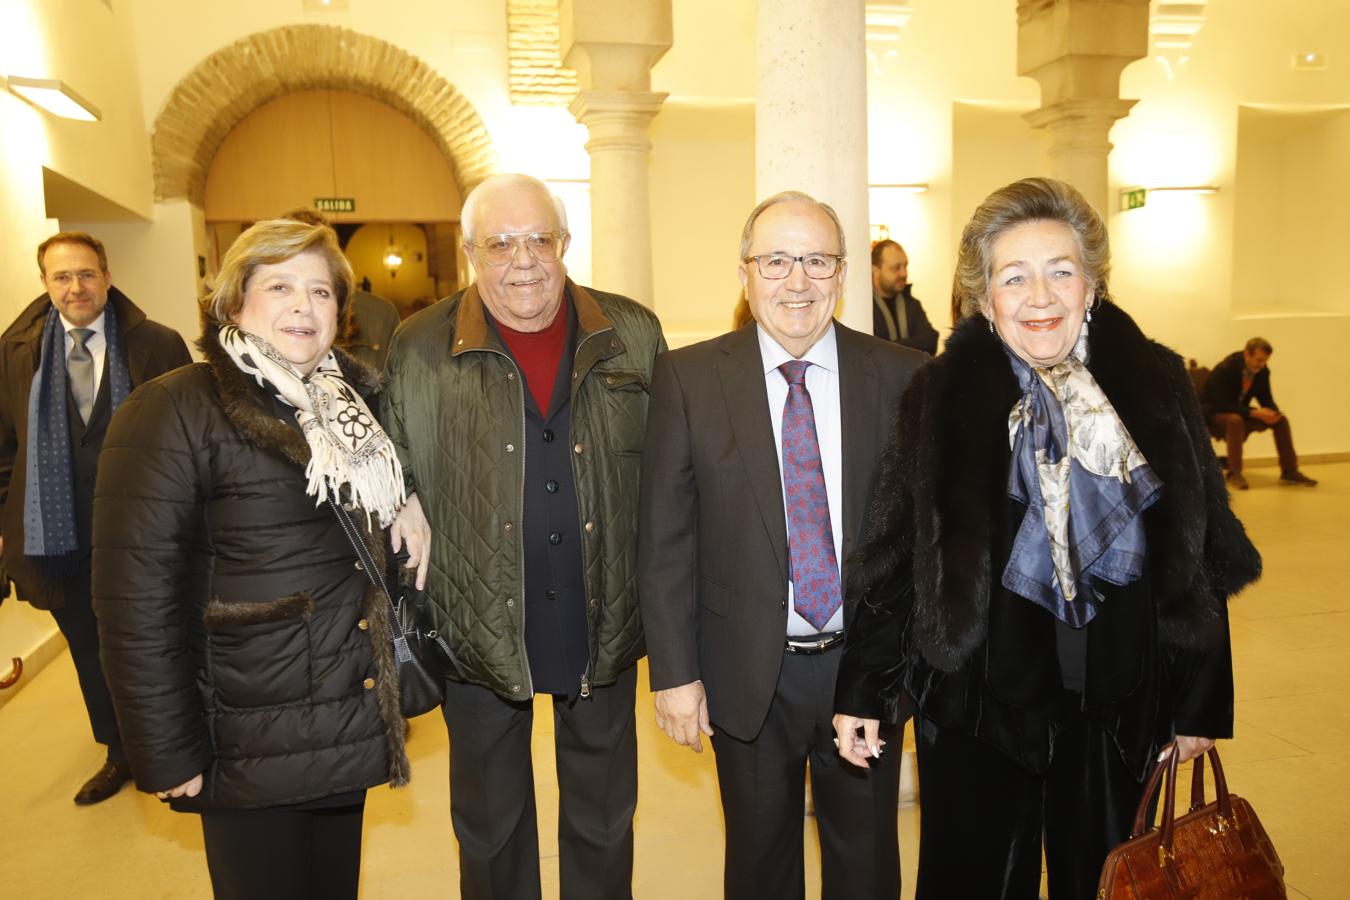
{"x": 232, "y": 82}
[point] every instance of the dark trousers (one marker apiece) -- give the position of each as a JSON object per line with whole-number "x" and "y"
{"x": 1233, "y": 430}
{"x": 284, "y": 854}
{"x": 762, "y": 782}
{"x": 492, "y": 792}
{"x": 80, "y": 627}
{"x": 983, "y": 816}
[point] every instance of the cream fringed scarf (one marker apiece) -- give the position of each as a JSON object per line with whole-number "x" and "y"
{"x": 347, "y": 446}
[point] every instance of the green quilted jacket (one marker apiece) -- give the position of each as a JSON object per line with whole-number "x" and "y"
{"x": 455, "y": 407}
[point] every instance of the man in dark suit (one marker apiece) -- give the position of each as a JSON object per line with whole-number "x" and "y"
{"x": 897, "y": 315}
{"x": 762, "y": 449}
{"x": 1241, "y": 379}
{"x": 66, "y": 363}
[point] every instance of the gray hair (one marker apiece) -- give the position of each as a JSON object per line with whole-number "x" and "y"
{"x": 505, "y": 181}
{"x": 1028, "y": 200}
{"x": 789, "y": 197}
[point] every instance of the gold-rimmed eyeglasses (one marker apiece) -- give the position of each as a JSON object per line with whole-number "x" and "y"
{"x": 779, "y": 265}
{"x": 500, "y": 249}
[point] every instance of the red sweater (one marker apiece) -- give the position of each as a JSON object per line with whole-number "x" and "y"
{"x": 538, "y": 354}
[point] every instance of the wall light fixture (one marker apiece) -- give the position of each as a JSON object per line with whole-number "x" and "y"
{"x": 54, "y": 96}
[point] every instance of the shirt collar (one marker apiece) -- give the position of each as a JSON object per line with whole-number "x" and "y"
{"x": 95, "y": 326}
{"x": 823, "y": 353}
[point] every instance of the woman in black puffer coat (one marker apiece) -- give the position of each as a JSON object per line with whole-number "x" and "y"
{"x": 247, "y": 652}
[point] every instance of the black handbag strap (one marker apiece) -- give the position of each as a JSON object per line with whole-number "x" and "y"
{"x": 367, "y": 563}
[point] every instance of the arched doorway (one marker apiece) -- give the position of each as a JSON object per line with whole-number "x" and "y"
{"x": 232, "y": 82}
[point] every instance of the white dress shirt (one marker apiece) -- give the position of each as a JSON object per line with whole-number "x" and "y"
{"x": 822, "y": 383}
{"x": 97, "y": 345}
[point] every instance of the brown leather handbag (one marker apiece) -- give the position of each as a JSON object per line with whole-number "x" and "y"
{"x": 1217, "y": 851}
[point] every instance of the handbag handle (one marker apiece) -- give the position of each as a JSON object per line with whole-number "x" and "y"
{"x": 1168, "y": 767}
{"x": 367, "y": 564}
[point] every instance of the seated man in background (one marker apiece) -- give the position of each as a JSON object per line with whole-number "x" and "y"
{"x": 1227, "y": 400}
{"x": 896, "y": 315}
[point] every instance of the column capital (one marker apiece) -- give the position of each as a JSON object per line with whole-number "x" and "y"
{"x": 617, "y": 120}
{"x": 613, "y": 44}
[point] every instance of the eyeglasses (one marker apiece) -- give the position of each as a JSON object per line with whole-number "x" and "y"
{"x": 500, "y": 249}
{"x": 779, "y": 265}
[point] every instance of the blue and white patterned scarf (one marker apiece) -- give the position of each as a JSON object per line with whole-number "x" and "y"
{"x": 1085, "y": 485}
{"x": 49, "y": 482}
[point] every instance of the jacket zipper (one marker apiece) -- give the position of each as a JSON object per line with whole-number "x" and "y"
{"x": 590, "y": 626}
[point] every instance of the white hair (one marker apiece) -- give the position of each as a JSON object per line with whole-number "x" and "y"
{"x": 505, "y": 181}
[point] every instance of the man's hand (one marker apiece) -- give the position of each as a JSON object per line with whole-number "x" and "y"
{"x": 1269, "y": 416}
{"x": 682, "y": 712}
{"x": 411, "y": 526}
{"x": 855, "y": 748}
{"x": 190, "y": 788}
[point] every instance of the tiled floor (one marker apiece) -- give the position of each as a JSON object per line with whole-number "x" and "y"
{"x": 1291, "y": 758}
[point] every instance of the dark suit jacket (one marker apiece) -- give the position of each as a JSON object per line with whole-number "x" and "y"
{"x": 152, "y": 349}
{"x": 712, "y": 538}
{"x": 1223, "y": 389}
{"x": 922, "y": 335}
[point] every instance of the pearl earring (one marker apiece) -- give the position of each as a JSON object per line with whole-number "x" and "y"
{"x": 1089, "y": 314}
{"x": 991, "y": 325}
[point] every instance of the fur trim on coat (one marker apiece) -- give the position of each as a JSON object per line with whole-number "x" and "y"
{"x": 946, "y": 470}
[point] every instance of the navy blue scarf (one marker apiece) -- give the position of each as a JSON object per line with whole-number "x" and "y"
{"x": 1097, "y": 532}
{"x": 49, "y": 498}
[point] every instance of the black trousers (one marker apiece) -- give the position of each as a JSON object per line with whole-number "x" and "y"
{"x": 80, "y": 627}
{"x": 762, "y": 782}
{"x": 492, "y": 792}
{"x": 983, "y": 816}
{"x": 284, "y": 854}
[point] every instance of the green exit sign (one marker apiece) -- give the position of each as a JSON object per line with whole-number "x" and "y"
{"x": 343, "y": 204}
{"x": 1133, "y": 198}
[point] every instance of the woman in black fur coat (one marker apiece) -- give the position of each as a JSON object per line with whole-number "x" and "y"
{"x": 1049, "y": 657}
{"x": 247, "y": 651}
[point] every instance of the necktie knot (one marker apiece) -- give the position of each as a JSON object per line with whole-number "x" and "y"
{"x": 81, "y": 336}
{"x": 794, "y": 371}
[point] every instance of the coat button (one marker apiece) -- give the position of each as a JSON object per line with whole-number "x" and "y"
{"x": 574, "y": 375}
{"x": 510, "y": 448}
{"x": 358, "y": 566}
{"x": 555, "y": 538}
{"x": 548, "y": 435}
{"x": 510, "y": 376}
{"x": 610, "y": 379}
{"x": 363, "y": 624}
{"x": 510, "y": 602}
{"x": 594, "y": 603}
{"x": 590, "y": 526}
{"x": 506, "y": 527}
{"x": 368, "y": 683}
{"x": 550, "y": 594}
{"x": 515, "y": 689}
{"x": 551, "y": 486}
{"x": 578, "y": 448}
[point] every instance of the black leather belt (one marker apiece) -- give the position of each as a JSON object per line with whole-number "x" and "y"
{"x": 808, "y": 644}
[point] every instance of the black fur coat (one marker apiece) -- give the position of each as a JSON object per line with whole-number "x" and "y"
{"x": 926, "y": 577}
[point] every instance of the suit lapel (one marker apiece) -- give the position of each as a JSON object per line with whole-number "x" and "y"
{"x": 859, "y": 403}
{"x": 741, "y": 371}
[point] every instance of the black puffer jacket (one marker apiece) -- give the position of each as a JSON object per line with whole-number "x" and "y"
{"x": 239, "y": 636}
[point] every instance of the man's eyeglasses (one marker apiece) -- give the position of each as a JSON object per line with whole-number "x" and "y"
{"x": 500, "y": 249}
{"x": 779, "y": 265}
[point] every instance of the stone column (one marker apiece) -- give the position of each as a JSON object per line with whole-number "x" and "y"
{"x": 811, "y": 122}
{"x": 613, "y": 44}
{"x": 1077, "y": 49}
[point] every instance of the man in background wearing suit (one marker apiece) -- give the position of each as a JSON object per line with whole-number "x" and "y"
{"x": 762, "y": 448}
{"x": 66, "y": 363}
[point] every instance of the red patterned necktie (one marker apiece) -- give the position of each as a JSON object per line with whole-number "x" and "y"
{"x": 814, "y": 569}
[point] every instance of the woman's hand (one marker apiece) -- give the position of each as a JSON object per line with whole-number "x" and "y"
{"x": 190, "y": 788}
{"x": 856, "y": 748}
{"x": 1188, "y": 748}
{"x": 410, "y": 527}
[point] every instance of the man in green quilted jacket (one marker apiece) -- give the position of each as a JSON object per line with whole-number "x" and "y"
{"x": 519, "y": 408}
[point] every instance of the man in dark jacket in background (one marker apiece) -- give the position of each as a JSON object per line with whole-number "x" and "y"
{"x": 66, "y": 363}
{"x": 519, "y": 408}
{"x": 1228, "y": 394}
{"x": 896, "y": 315}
